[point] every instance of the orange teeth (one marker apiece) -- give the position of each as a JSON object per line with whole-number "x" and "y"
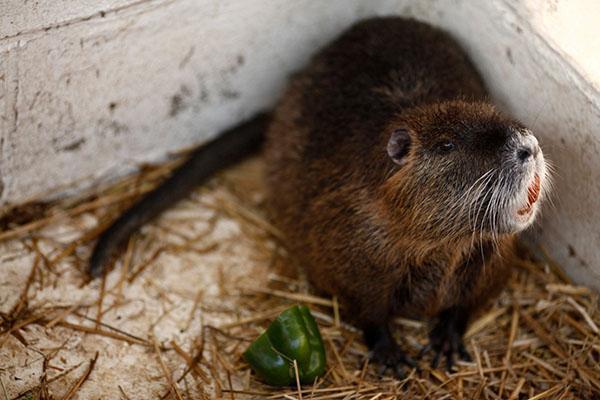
{"x": 533, "y": 193}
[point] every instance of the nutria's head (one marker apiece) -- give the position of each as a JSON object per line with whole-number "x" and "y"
{"x": 462, "y": 168}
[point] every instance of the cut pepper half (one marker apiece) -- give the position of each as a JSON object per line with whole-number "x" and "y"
{"x": 293, "y": 335}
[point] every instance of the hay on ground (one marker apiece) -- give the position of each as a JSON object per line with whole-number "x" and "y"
{"x": 195, "y": 287}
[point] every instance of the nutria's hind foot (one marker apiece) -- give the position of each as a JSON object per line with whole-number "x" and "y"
{"x": 385, "y": 352}
{"x": 446, "y": 338}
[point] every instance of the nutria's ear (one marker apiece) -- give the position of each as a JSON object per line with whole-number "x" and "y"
{"x": 398, "y": 145}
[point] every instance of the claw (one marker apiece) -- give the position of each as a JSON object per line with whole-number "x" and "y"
{"x": 449, "y": 360}
{"x": 445, "y": 340}
{"x": 410, "y": 362}
{"x": 436, "y": 360}
{"x": 399, "y": 372}
{"x": 463, "y": 353}
{"x": 424, "y": 350}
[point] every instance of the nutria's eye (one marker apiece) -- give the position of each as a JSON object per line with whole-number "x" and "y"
{"x": 445, "y": 147}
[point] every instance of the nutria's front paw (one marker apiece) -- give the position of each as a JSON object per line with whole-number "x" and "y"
{"x": 445, "y": 340}
{"x": 389, "y": 356}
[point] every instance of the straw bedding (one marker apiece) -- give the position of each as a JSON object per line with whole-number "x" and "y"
{"x": 196, "y": 286}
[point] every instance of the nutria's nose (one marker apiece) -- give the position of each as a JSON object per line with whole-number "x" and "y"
{"x": 524, "y": 153}
{"x": 527, "y": 148}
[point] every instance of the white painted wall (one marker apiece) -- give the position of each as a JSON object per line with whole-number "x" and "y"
{"x": 89, "y": 89}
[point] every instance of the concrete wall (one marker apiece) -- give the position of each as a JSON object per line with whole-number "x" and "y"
{"x": 88, "y": 89}
{"x": 93, "y": 92}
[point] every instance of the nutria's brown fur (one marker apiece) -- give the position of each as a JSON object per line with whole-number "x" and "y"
{"x": 386, "y": 238}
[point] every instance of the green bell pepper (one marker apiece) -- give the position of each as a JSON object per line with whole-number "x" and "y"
{"x": 293, "y": 335}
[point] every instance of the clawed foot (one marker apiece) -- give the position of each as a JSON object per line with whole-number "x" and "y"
{"x": 385, "y": 352}
{"x": 445, "y": 339}
{"x": 390, "y": 357}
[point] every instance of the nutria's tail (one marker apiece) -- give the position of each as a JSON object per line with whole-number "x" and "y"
{"x": 227, "y": 149}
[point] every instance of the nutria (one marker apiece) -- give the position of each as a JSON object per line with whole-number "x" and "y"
{"x": 399, "y": 185}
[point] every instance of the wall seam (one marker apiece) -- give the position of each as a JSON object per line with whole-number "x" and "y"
{"x": 74, "y": 21}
